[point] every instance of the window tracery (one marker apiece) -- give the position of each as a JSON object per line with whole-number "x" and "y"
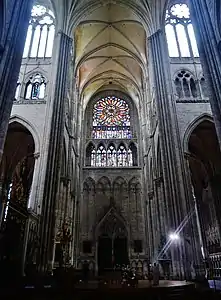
{"x": 35, "y": 88}
{"x": 111, "y": 119}
{"x": 40, "y": 34}
{"x": 110, "y": 134}
{"x": 110, "y": 156}
{"x": 179, "y": 32}
{"x": 185, "y": 85}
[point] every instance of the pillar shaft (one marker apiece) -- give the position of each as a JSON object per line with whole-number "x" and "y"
{"x": 210, "y": 56}
{"x": 12, "y": 38}
{"x": 177, "y": 201}
{"x": 62, "y": 61}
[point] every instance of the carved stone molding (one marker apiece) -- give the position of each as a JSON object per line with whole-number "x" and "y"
{"x": 20, "y": 102}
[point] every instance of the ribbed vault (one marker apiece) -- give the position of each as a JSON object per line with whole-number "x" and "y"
{"x": 110, "y": 42}
{"x": 110, "y": 50}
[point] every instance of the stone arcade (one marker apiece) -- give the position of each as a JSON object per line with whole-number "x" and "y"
{"x": 110, "y": 134}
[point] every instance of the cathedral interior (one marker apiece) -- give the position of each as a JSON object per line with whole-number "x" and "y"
{"x": 110, "y": 135}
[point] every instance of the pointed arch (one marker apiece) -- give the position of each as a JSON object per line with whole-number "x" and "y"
{"x": 120, "y": 181}
{"x": 101, "y": 156}
{"x": 90, "y": 183}
{"x": 185, "y": 84}
{"x": 90, "y": 155}
{"x": 111, "y": 221}
{"x": 179, "y": 30}
{"x": 35, "y": 87}
{"x": 122, "y": 158}
{"x": 41, "y": 31}
{"x": 192, "y": 126}
{"x": 132, "y": 155}
{"x": 105, "y": 181}
{"x": 134, "y": 183}
{"x": 30, "y": 127}
{"x": 111, "y": 155}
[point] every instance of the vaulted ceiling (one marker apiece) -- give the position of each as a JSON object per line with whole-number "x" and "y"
{"x": 110, "y": 39}
{"x": 110, "y": 50}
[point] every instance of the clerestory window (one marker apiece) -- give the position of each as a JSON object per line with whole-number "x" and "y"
{"x": 179, "y": 32}
{"x": 40, "y": 35}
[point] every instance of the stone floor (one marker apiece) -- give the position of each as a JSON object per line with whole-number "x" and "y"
{"x": 142, "y": 284}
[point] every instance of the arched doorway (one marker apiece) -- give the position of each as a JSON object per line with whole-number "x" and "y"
{"x": 112, "y": 242}
{"x": 16, "y": 178}
{"x": 205, "y": 167}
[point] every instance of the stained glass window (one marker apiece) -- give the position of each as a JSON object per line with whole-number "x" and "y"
{"x": 111, "y": 118}
{"x": 35, "y": 87}
{"x": 111, "y": 156}
{"x": 111, "y": 121}
{"x": 179, "y": 32}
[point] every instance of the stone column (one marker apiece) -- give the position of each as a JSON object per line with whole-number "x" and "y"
{"x": 32, "y": 205}
{"x": 210, "y": 56}
{"x": 15, "y": 25}
{"x": 176, "y": 198}
{"x": 61, "y": 61}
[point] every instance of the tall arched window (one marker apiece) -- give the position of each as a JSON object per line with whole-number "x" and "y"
{"x": 111, "y": 134}
{"x": 179, "y": 32}
{"x": 40, "y": 35}
{"x": 35, "y": 88}
{"x": 111, "y": 156}
{"x": 17, "y": 92}
{"x": 185, "y": 85}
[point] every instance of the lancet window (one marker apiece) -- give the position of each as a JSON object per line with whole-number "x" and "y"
{"x": 35, "y": 88}
{"x": 40, "y": 35}
{"x": 185, "y": 85}
{"x": 17, "y": 92}
{"x": 188, "y": 87}
{"x": 179, "y": 32}
{"x": 111, "y": 157}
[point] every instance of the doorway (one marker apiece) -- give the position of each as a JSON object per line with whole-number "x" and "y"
{"x": 104, "y": 253}
{"x": 111, "y": 252}
{"x": 112, "y": 242}
{"x": 120, "y": 251}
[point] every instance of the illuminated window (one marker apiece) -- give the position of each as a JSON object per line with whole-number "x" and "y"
{"x": 179, "y": 32}
{"x": 40, "y": 35}
{"x": 35, "y": 88}
{"x": 185, "y": 85}
{"x": 111, "y": 144}
{"x": 17, "y": 92}
{"x": 111, "y": 119}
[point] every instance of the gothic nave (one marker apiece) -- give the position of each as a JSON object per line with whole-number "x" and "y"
{"x": 110, "y": 134}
